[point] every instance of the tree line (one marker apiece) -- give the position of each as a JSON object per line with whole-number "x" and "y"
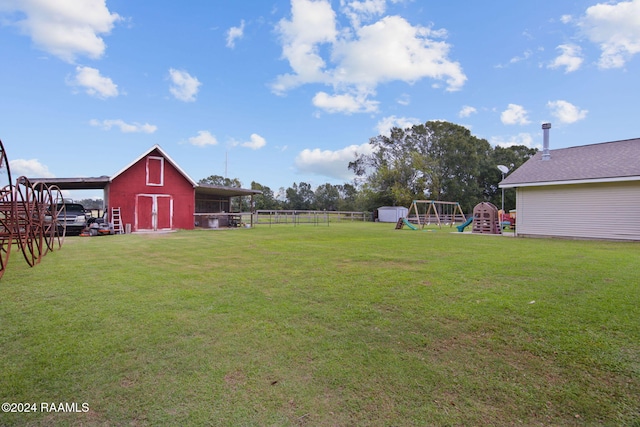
{"x": 435, "y": 161}
{"x": 300, "y": 196}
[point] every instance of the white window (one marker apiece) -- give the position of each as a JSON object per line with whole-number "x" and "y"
{"x": 155, "y": 171}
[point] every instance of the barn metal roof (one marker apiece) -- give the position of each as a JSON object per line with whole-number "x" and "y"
{"x": 605, "y": 162}
{"x": 217, "y": 190}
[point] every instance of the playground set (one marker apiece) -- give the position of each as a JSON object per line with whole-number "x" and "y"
{"x": 426, "y": 212}
{"x": 486, "y": 218}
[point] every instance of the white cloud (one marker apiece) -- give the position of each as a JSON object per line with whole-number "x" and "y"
{"x": 616, "y": 30}
{"x": 312, "y": 23}
{"x": 392, "y": 49}
{"x": 184, "y": 86}
{"x": 404, "y": 99}
{"x": 385, "y": 125}
{"x": 65, "y": 29}
{"x": 93, "y": 83}
{"x": 566, "y": 112}
{"x": 525, "y": 55}
{"x": 203, "y": 139}
{"x": 359, "y": 11}
{"x": 565, "y": 19}
{"x": 255, "y": 143}
{"x": 234, "y": 34}
{"x": 330, "y": 163}
{"x": 356, "y": 60}
{"x": 30, "y": 168}
{"x": 520, "y": 139}
{"x": 123, "y": 126}
{"x": 570, "y": 58}
{"x": 514, "y": 115}
{"x": 345, "y": 103}
{"x": 467, "y": 111}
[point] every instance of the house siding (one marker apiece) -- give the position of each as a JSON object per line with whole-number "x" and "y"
{"x": 589, "y": 211}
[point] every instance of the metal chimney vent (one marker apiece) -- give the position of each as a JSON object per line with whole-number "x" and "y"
{"x": 545, "y": 147}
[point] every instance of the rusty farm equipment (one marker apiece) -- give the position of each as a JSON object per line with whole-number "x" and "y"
{"x": 28, "y": 216}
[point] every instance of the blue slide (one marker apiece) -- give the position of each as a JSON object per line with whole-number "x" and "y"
{"x": 408, "y": 224}
{"x": 466, "y": 223}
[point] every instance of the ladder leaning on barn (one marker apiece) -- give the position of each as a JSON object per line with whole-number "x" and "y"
{"x": 116, "y": 220}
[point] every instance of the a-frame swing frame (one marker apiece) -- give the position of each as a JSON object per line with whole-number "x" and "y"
{"x": 432, "y": 206}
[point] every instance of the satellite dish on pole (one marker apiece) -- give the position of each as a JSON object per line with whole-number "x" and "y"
{"x": 504, "y": 170}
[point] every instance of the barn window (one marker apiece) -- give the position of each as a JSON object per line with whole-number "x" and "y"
{"x": 155, "y": 171}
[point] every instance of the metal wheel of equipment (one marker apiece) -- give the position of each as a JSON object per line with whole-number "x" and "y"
{"x": 28, "y": 227}
{"x": 58, "y": 210}
{"x": 7, "y": 217}
{"x": 43, "y": 199}
{"x": 7, "y": 210}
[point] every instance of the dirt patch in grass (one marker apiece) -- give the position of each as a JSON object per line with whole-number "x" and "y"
{"x": 235, "y": 379}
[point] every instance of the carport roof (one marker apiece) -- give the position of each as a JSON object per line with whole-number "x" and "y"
{"x": 85, "y": 183}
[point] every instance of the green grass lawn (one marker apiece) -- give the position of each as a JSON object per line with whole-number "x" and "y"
{"x": 340, "y": 325}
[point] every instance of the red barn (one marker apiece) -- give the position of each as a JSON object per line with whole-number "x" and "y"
{"x": 153, "y": 193}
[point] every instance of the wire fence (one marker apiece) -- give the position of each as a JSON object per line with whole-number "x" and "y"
{"x": 298, "y": 217}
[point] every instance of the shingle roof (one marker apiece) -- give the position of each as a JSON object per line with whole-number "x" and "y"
{"x": 608, "y": 161}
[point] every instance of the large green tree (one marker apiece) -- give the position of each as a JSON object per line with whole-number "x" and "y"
{"x": 267, "y": 199}
{"x": 300, "y": 196}
{"x": 348, "y": 197}
{"x": 391, "y": 178}
{"x": 326, "y": 197}
{"x": 436, "y": 160}
{"x": 453, "y": 164}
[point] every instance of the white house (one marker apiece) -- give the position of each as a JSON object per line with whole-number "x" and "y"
{"x": 585, "y": 192}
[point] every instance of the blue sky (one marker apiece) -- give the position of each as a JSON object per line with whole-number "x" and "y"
{"x": 288, "y": 91}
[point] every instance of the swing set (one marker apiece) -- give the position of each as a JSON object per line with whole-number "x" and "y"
{"x": 426, "y": 212}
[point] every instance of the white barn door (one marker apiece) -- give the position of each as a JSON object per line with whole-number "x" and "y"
{"x": 154, "y": 212}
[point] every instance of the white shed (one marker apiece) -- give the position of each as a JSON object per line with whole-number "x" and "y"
{"x": 392, "y": 213}
{"x": 585, "y": 192}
